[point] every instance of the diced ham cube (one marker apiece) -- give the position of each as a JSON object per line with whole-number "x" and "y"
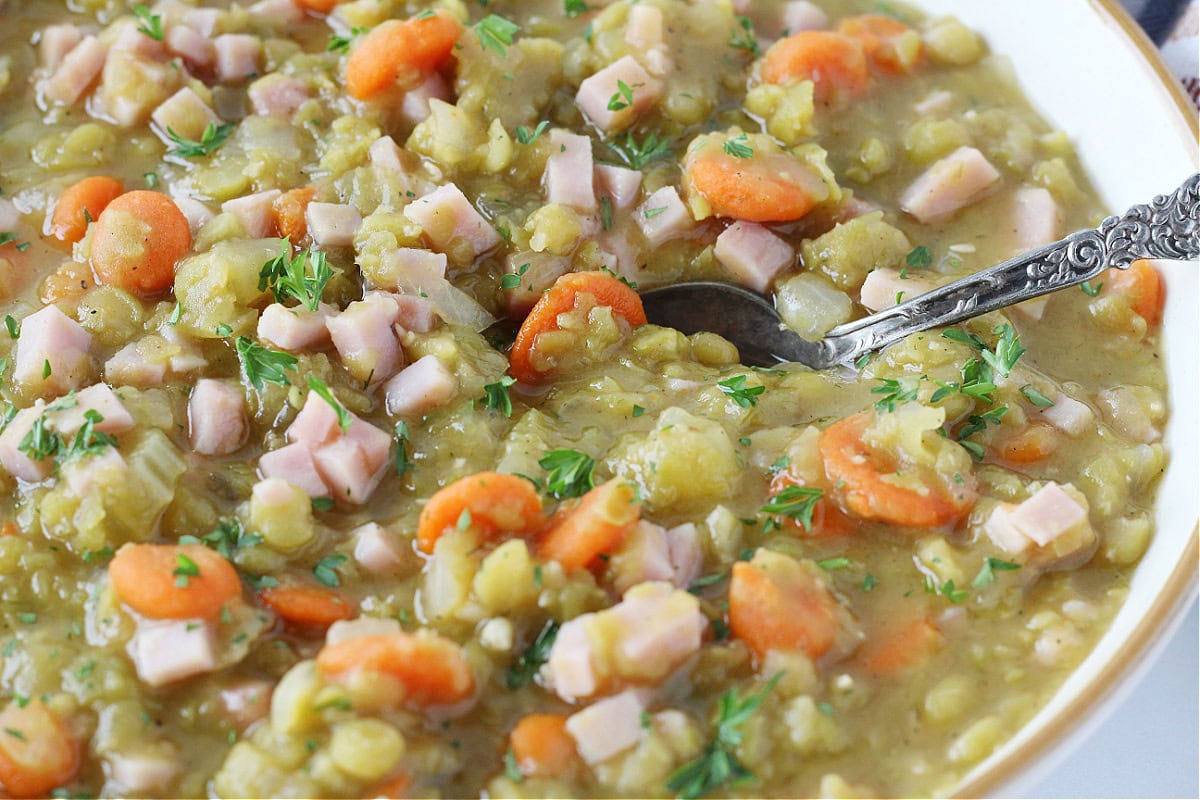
{"x": 187, "y": 356}
{"x": 570, "y": 663}
{"x": 344, "y": 469}
{"x": 1068, "y": 415}
{"x": 237, "y": 56}
{"x": 276, "y": 12}
{"x": 166, "y": 651}
{"x": 294, "y": 464}
{"x": 316, "y": 424}
{"x": 10, "y": 216}
{"x": 295, "y": 329}
{"x": 414, "y": 108}
{"x": 217, "y": 423}
{"x": 569, "y": 170}
{"x": 376, "y": 444}
{"x": 801, "y": 15}
{"x": 644, "y": 556}
{"x": 644, "y": 27}
{"x": 662, "y": 217}
{"x": 416, "y": 314}
{"x": 1134, "y": 411}
{"x": 254, "y": 211}
{"x": 185, "y": 113}
{"x": 1035, "y": 218}
{"x": 445, "y": 214}
{"x": 603, "y": 89}
{"x": 365, "y": 338}
{"x": 620, "y": 184}
{"x": 360, "y": 627}
{"x": 884, "y": 288}
{"x": 950, "y": 184}
{"x": 687, "y": 557}
{"x": 332, "y": 224}
{"x": 386, "y": 155}
{"x": 246, "y": 702}
{"x": 608, "y": 726}
{"x": 278, "y": 95}
{"x": 203, "y": 19}
{"x": 130, "y": 367}
{"x": 1048, "y": 514}
{"x": 420, "y": 388}
{"x": 142, "y": 773}
{"x": 133, "y": 41}
{"x": 538, "y": 272}
{"x": 55, "y": 42}
{"x": 77, "y": 73}
{"x": 935, "y": 103}
{"x": 15, "y": 461}
{"x": 123, "y": 68}
{"x": 50, "y": 339}
{"x": 414, "y": 266}
{"x": 1049, "y": 529}
{"x": 753, "y": 254}
{"x": 103, "y": 400}
{"x": 376, "y": 549}
{"x": 196, "y": 213}
{"x": 191, "y": 45}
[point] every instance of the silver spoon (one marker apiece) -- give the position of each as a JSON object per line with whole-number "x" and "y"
{"x": 1167, "y": 227}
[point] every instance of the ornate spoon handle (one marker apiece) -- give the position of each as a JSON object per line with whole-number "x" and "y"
{"x": 1167, "y": 227}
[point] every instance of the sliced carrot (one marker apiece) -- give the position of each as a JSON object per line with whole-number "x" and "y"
{"x": 593, "y": 527}
{"x": 561, "y": 298}
{"x": 137, "y": 241}
{"x": 288, "y": 211}
{"x": 542, "y": 747}
{"x": 836, "y": 64}
{"x": 10, "y": 528}
{"x": 82, "y": 203}
{"x": 173, "y": 581}
{"x": 900, "y": 647}
{"x": 887, "y": 42}
{"x": 319, "y": 6}
{"x": 768, "y": 186}
{"x": 68, "y": 282}
{"x": 394, "y": 788}
{"x": 1142, "y": 286}
{"x": 1034, "y": 443}
{"x": 398, "y": 52}
{"x": 307, "y": 606}
{"x": 488, "y": 502}
{"x": 775, "y": 604}
{"x": 827, "y": 519}
{"x": 860, "y": 475}
{"x": 37, "y": 751}
{"x": 432, "y": 670}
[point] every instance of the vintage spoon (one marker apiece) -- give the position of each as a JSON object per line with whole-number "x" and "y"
{"x": 1167, "y": 227}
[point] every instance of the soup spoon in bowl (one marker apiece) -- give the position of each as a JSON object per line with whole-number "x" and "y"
{"x": 1167, "y": 227}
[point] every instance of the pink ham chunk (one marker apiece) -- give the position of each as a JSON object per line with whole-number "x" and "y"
{"x": 55, "y": 42}
{"x": 133, "y": 41}
{"x": 246, "y": 702}
{"x": 597, "y": 92}
{"x": 644, "y": 555}
{"x": 130, "y": 367}
{"x": 100, "y": 398}
{"x": 538, "y": 272}
{"x": 278, "y": 95}
{"x": 415, "y": 314}
{"x": 294, "y": 463}
{"x": 1068, "y": 415}
{"x": 620, "y": 184}
{"x": 663, "y": 217}
{"x": 167, "y": 651}
{"x": 884, "y": 288}
{"x": 348, "y": 472}
{"x": 1035, "y": 218}
{"x": 295, "y": 329}
{"x": 276, "y": 13}
{"x": 753, "y": 255}
{"x": 952, "y": 183}
{"x": 203, "y": 19}
{"x": 445, "y": 214}
{"x": 237, "y": 56}
{"x": 142, "y": 773}
{"x": 1051, "y": 529}
{"x": 569, "y": 171}
{"x": 365, "y": 338}
{"x": 191, "y": 45}
{"x": 14, "y": 460}
{"x": 644, "y": 27}
{"x": 801, "y": 15}
{"x": 414, "y": 108}
{"x": 332, "y": 224}
{"x": 50, "y": 337}
{"x": 196, "y": 213}
{"x": 217, "y": 423}
{"x": 317, "y": 423}
{"x": 607, "y": 727}
{"x": 77, "y": 73}
{"x": 419, "y": 388}
{"x": 254, "y": 211}
{"x": 186, "y": 113}
{"x": 375, "y": 549}
{"x": 1048, "y": 514}
{"x": 687, "y": 555}
{"x": 10, "y": 216}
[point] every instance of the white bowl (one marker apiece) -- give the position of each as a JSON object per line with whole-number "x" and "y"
{"x": 1091, "y": 71}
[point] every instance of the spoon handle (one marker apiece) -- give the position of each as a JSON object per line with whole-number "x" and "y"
{"x": 1167, "y": 227}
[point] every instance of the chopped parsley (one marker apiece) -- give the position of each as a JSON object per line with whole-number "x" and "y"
{"x": 513, "y": 279}
{"x": 1007, "y": 352}
{"x": 526, "y": 136}
{"x": 323, "y": 391}
{"x": 742, "y": 37}
{"x": 739, "y": 147}
{"x": 1089, "y": 290}
{"x": 737, "y": 390}
{"x": 149, "y": 24}
{"x": 511, "y": 769}
{"x": 834, "y": 563}
{"x": 341, "y": 44}
{"x": 530, "y": 661}
{"x": 795, "y": 502}
{"x": 496, "y": 33}
{"x": 227, "y": 538}
{"x": 326, "y": 570}
{"x": 573, "y": 8}
{"x": 1035, "y": 397}
{"x": 14, "y": 327}
{"x": 210, "y": 141}
{"x": 185, "y": 569}
{"x": 495, "y": 395}
{"x": 302, "y": 278}
{"x": 895, "y": 391}
{"x": 638, "y": 154}
{"x": 869, "y": 582}
{"x": 606, "y": 212}
{"x": 570, "y": 473}
{"x": 622, "y": 98}
{"x": 401, "y": 461}
{"x": 987, "y": 573}
{"x": 919, "y": 256}
{"x": 261, "y": 365}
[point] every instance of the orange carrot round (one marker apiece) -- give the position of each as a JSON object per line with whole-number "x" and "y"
{"x": 69, "y": 282}
{"x": 170, "y": 581}
{"x": 37, "y": 751}
{"x": 593, "y": 527}
{"x": 488, "y": 502}
{"x": 80, "y": 203}
{"x": 834, "y": 63}
{"x": 288, "y": 211}
{"x": 765, "y": 187}
{"x": 432, "y": 670}
{"x": 137, "y": 241}
{"x": 307, "y": 606}
{"x": 784, "y": 609}
{"x": 559, "y": 299}
{"x": 1035, "y": 443}
{"x": 394, "y": 788}
{"x": 1142, "y": 286}
{"x": 859, "y": 476}
{"x": 899, "y": 648}
{"x": 878, "y": 35}
{"x": 399, "y": 52}
{"x": 318, "y": 6}
{"x": 542, "y": 747}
